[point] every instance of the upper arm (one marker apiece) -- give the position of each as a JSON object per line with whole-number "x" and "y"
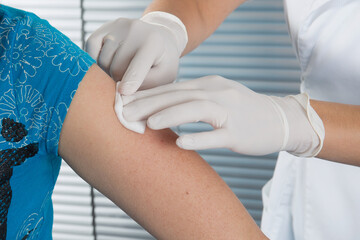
{"x": 173, "y": 193}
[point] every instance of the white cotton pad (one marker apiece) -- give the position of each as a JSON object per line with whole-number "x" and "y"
{"x": 138, "y": 127}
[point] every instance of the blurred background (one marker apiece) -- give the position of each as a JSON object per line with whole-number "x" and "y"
{"x": 252, "y": 47}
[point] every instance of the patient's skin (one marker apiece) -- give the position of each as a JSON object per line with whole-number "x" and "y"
{"x": 172, "y": 193}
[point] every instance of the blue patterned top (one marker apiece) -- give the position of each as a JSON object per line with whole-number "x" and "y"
{"x": 40, "y": 70}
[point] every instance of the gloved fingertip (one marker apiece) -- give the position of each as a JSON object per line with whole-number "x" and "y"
{"x": 153, "y": 122}
{"x": 179, "y": 143}
{"x": 185, "y": 142}
{"x": 93, "y": 49}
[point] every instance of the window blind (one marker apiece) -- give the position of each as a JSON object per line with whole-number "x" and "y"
{"x": 252, "y": 47}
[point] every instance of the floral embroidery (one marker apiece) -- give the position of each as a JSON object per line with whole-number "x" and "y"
{"x": 57, "y": 114}
{"x": 29, "y": 108}
{"x": 19, "y": 58}
{"x": 67, "y": 56}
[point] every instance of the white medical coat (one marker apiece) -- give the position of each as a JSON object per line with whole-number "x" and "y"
{"x": 309, "y": 198}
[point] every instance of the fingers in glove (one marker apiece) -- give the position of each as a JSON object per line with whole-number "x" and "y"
{"x": 145, "y": 107}
{"x": 161, "y": 74}
{"x": 121, "y": 60}
{"x": 107, "y": 54}
{"x": 168, "y": 88}
{"x": 205, "y": 140}
{"x": 195, "y": 111}
{"x": 94, "y": 44}
{"x": 138, "y": 69}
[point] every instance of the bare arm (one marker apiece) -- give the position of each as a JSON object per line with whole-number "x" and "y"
{"x": 201, "y": 17}
{"x": 342, "y": 131}
{"x": 171, "y": 192}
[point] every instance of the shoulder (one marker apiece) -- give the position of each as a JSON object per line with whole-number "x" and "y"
{"x": 14, "y": 20}
{"x": 40, "y": 70}
{"x": 11, "y": 14}
{"x": 31, "y": 47}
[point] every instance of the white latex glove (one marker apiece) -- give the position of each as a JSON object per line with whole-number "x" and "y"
{"x": 244, "y": 121}
{"x": 141, "y": 53}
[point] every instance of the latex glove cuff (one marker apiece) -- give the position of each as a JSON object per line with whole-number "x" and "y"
{"x": 172, "y": 23}
{"x": 304, "y": 131}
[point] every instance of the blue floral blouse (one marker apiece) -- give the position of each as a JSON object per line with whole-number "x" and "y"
{"x": 40, "y": 70}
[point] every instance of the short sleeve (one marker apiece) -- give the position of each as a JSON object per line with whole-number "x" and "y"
{"x": 43, "y": 73}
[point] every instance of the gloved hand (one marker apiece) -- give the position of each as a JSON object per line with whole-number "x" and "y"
{"x": 244, "y": 121}
{"x": 141, "y": 53}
